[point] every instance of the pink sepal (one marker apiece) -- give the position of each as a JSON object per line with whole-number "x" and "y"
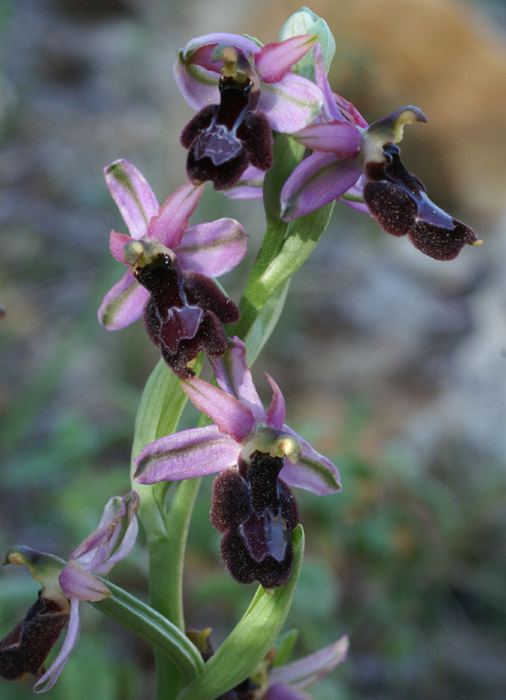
{"x": 341, "y": 138}
{"x": 291, "y": 104}
{"x": 318, "y": 180}
{"x": 186, "y": 455}
{"x": 133, "y": 195}
{"x": 213, "y": 248}
{"x": 47, "y": 681}
{"x": 123, "y": 303}
{"x": 310, "y": 669}
{"x": 312, "y": 472}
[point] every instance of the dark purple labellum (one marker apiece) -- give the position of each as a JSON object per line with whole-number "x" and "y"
{"x": 398, "y": 201}
{"x": 185, "y": 313}
{"x": 256, "y": 511}
{"x": 25, "y": 649}
{"x": 224, "y": 139}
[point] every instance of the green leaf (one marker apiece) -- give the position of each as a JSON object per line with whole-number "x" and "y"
{"x": 154, "y": 628}
{"x": 285, "y": 646}
{"x": 265, "y": 323}
{"x": 251, "y": 639}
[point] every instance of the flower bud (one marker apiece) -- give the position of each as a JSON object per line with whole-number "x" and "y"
{"x": 306, "y": 22}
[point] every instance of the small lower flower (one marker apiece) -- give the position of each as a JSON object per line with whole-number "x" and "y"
{"x": 279, "y": 682}
{"x": 25, "y": 649}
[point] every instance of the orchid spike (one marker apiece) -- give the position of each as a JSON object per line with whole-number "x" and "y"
{"x": 25, "y": 649}
{"x": 360, "y": 163}
{"x": 169, "y": 269}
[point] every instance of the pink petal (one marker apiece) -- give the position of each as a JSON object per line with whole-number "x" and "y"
{"x": 47, "y": 681}
{"x": 227, "y": 412}
{"x": 318, "y": 180}
{"x": 169, "y": 225}
{"x": 340, "y": 138}
{"x": 186, "y": 455}
{"x": 212, "y": 248}
{"x": 276, "y": 412}
{"x": 310, "y": 669}
{"x": 234, "y": 376}
{"x": 290, "y": 104}
{"x": 313, "y": 471}
{"x": 273, "y": 61}
{"x": 76, "y": 582}
{"x": 198, "y": 86}
{"x": 123, "y": 304}
{"x": 117, "y": 242}
{"x": 132, "y": 194}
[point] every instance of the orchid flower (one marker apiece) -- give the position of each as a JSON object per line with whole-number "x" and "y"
{"x": 252, "y": 506}
{"x": 361, "y": 163}
{"x": 170, "y": 265}
{"x": 242, "y": 90}
{"x": 283, "y": 682}
{"x": 64, "y": 584}
{"x": 288, "y": 681}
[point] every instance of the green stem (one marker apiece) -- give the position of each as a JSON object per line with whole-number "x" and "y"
{"x": 178, "y": 521}
{"x": 161, "y": 406}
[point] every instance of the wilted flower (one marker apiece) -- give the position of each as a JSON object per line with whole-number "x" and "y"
{"x": 251, "y": 505}
{"x": 241, "y": 90}
{"x": 357, "y": 161}
{"x": 25, "y": 649}
{"x": 170, "y": 265}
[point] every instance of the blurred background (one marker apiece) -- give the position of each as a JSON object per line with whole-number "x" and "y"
{"x": 392, "y": 364}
